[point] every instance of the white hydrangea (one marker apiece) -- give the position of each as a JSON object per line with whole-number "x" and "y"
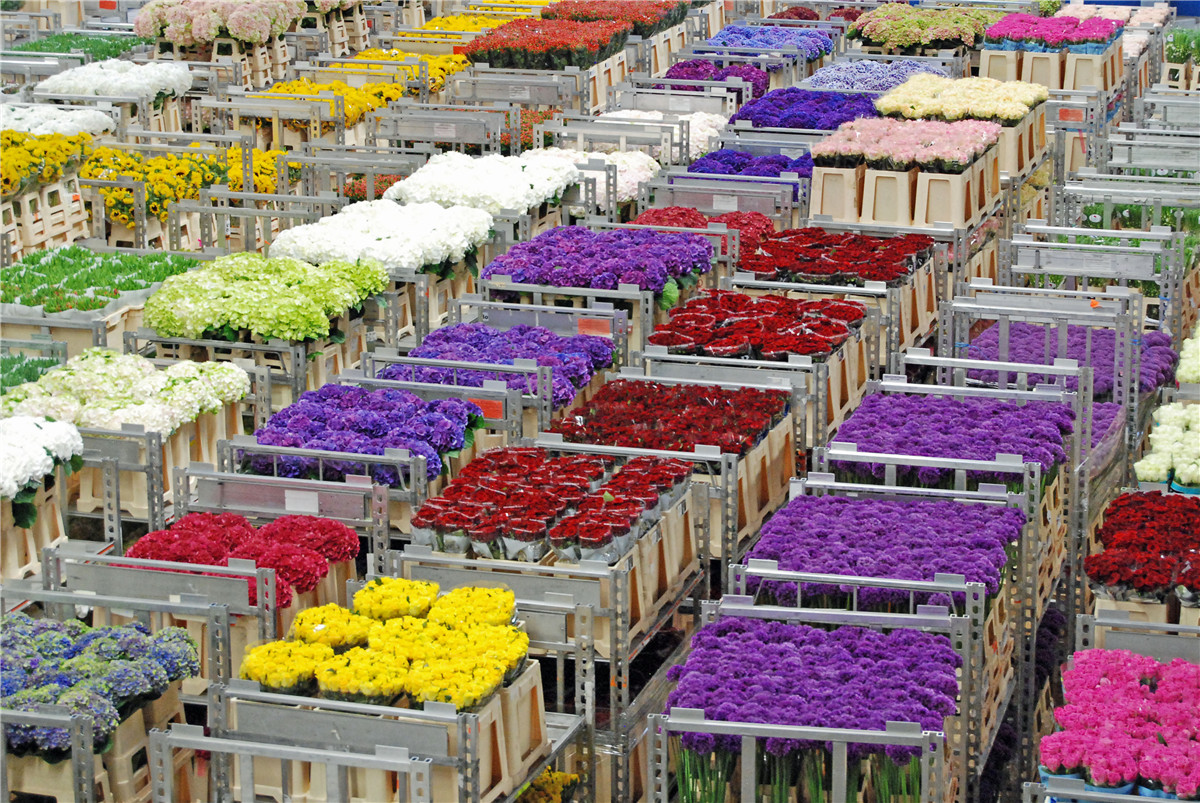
{"x": 490, "y": 183}
{"x": 45, "y": 119}
{"x": 28, "y": 448}
{"x": 633, "y": 168}
{"x": 121, "y": 78}
{"x": 703, "y": 127}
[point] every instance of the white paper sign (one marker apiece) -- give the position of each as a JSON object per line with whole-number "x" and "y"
{"x": 518, "y": 93}
{"x": 725, "y": 203}
{"x": 303, "y": 503}
{"x": 448, "y": 130}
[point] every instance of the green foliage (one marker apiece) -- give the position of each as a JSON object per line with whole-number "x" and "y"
{"x": 98, "y": 47}
{"x": 17, "y": 369}
{"x": 76, "y": 278}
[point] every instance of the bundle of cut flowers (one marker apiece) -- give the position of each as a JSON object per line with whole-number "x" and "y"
{"x": 906, "y": 144}
{"x": 18, "y": 368}
{"x": 438, "y": 67}
{"x": 1172, "y": 455}
{"x": 573, "y": 360}
{"x": 299, "y": 548}
{"x": 845, "y": 13}
{"x": 727, "y": 324}
{"x": 30, "y": 160}
{"x": 1188, "y": 369}
{"x": 752, "y": 227}
{"x": 1051, "y": 34}
{"x": 46, "y": 119}
{"x": 30, "y": 449}
{"x": 727, "y": 162}
{"x": 459, "y": 650}
{"x": 795, "y": 13}
{"x": 634, "y": 168}
{"x": 1038, "y": 345}
{"x": 755, "y": 672}
{"x": 351, "y": 420}
{"x": 897, "y": 26}
{"x": 1128, "y": 720}
{"x": 490, "y": 183}
{"x": 896, "y": 539}
{"x": 647, "y": 415}
{"x": 198, "y": 22}
{"x": 703, "y": 70}
{"x": 805, "y": 109}
{"x": 572, "y": 256}
{"x": 241, "y": 296}
{"x": 76, "y": 278}
{"x": 97, "y": 46}
{"x": 647, "y": 17}
{"x": 815, "y": 256}
{"x": 1151, "y": 546}
{"x": 105, "y": 673}
{"x": 156, "y": 80}
{"x": 423, "y": 237}
{"x": 970, "y": 428}
{"x": 357, "y": 101}
{"x": 869, "y": 76}
{"x": 811, "y": 43}
{"x": 105, "y": 389}
{"x": 553, "y": 44}
{"x": 932, "y": 97}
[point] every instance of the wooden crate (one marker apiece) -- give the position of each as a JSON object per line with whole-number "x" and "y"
{"x": 985, "y": 263}
{"x": 113, "y": 326}
{"x": 663, "y": 44}
{"x": 1003, "y": 65}
{"x": 1177, "y": 76}
{"x": 46, "y": 216}
{"x": 961, "y": 199}
{"x": 837, "y": 192}
{"x": 1191, "y": 298}
{"x": 1043, "y": 715}
{"x": 134, "y": 491}
{"x": 30, "y": 775}
{"x": 889, "y": 197}
{"x": 21, "y": 548}
{"x": 608, "y": 73}
{"x": 523, "y": 708}
{"x": 999, "y": 680}
{"x": 1043, "y": 68}
{"x": 1104, "y": 71}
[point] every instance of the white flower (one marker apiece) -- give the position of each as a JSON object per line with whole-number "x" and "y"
{"x": 123, "y": 78}
{"x": 28, "y": 448}
{"x": 1173, "y": 442}
{"x": 407, "y": 237}
{"x": 490, "y": 183}
{"x": 633, "y": 168}
{"x": 702, "y": 127}
{"x": 1188, "y": 370}
{"x": 45, "y": 119}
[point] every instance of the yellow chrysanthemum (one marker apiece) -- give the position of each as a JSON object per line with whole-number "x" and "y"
{"x": 388, "y": 597}
{"x": 468, "y": 605}
{"x": 331, "y": 624}
{"x": 284, "y": 665}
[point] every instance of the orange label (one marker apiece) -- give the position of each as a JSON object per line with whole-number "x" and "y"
{"x": 593, "y": 326}
{"x": 1095, "y": 303}
{"x": 108, "y": 5}
{"x": 492, "y": 408}
{"x": 1070, "y": 115}
{"x": 75, "y": 197}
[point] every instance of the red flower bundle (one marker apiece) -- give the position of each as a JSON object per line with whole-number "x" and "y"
{"x": 356, "y": 190}
{"x": 795, "y": 13}
{"x": 549, "y": 44}
{"x": 753, "y": 227}
{"x": 331, "y": 539}
{"x": 647, "y": 17}
{"x": 1151, "y": 544}
{"x": 648, "y": 415}
{"x": 295, "y": 566}
{"x": 815, "y": 256}
{"x": 529, "y": 118}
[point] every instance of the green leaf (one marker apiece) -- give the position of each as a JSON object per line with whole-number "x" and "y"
{"x": 670, "y": 295}
{"x": 468, "y": 439}
{"x": 75, "y": 463}
{"x": 26, "y": 495}
{"x": 337, "y": 336}
{"x": 24, "y": 514}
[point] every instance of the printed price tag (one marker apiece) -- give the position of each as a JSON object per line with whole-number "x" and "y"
{"x": 725, "y": 203}
{"x": 492, "y": 408}
{"x": 518, "y": 93}
{"x": 448, "y": 130}
{"x": 304, "y": 503}
{"x": 592, "y": 326}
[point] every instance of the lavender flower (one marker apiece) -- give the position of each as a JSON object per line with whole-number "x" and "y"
{"x": 726, "y": 162}
{"x": 869, "y": 76}
{"x": 805, "y": 109}
{"x": 811, "y": 43}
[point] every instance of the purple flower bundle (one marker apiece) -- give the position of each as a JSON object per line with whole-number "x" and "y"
{"x": 749, "y": 670}
{"x": 346, "y": 418}
{"x": 869, "y": 76}
{"x": 726, "y": 162}
{"x": 810, "y": 42}
{"x": 970, "y": 429}
{"x": 1037, "y": 345}
{"x": 573, "y": 361}
{"x": 702, "y": 70}
{"x": 806, "y": 109}
{"x": 573, "y": 256}
{"x": 901, "y": 540}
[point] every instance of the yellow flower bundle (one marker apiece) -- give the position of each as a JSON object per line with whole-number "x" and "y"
{"x": 388, "y": 597}
{"x": 27, "y": 159}
{"x": 357, "y": 101}
{"x": 470, "y": 22}
{"x": 168, "y": 179}
{"x": 332, "y": 625}
{"x": 467, "y": 605}
{"x": 462, "y": 682}
{"x": 266, "y": 170}
{"x": 505, "y": 643}
{"x": 362, "y": 675}
{"x": 440, "y": 67}
{"x": 549, "y": 787}
{"x": 284, "y": 666}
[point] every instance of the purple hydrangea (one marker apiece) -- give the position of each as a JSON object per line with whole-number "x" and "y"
{"x": 727, "y": 162}
{"x": 806, "y": 109}
{"x": 869, "y": 76}
{"x": 811, "y": 43}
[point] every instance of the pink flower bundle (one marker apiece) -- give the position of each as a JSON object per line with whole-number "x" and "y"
{"x": 887, "y": 144}
{"x": 196, "y": 22}
{"x": 1128, "y": 718}
{"x": 1052, "y": 32}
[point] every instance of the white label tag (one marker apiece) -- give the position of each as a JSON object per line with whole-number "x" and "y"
{"x": 305, "y": 503}
{"x": 725, "y": 203}
{"x": 449, "y": 130}
{"x": 518, "y": 93}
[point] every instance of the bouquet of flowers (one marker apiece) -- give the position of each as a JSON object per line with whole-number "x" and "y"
{"x": 573, "y": 360}
{"x": 654, "y": 261}
{"x": 198, "y": 22}
{"x": 551, "y": 787}
{"x": 848, "y": 536}
{"x": 903, "y": 145}
{"x": 902, "y": 676}
{"x": 795, "y": 13}
{"x": 703, "y": 70}
{"x": 934, "y": 97}
{"x": 812, "y": 43}
{"x": 805, "y": 109}
{"x": 633, "y": 168}
{"x": 96, "y": 46}
{"x": 647, "y": 415}
{"x": 466, "y": 22}
{"x": 752, "y": 227}
{"x": 73, "y": 277}
{"x": 422, "y": 237}
{"x": 1034, "y": 344}
{"x": 30, "y": 448}
{"x": 27, "y": 160}
{"x": 897, "y": 26}
{"x": 269, "y": 298}
{"x": 869, "y": 76}
{"x": 349, "y": 419}
{"x": 490, "y": 183}
{"x": 1188, "y": 369}
{"x": 44, "y": 119}
{"x": 1026, "y": 32}
{"x": 1151, "y": 546}
{"x": 815, "y": 256}
{"x": 647, "y": 17}
{"x": 1128, "y": 719}
{"x": 727, "y": 324}
{"x": 387, "y": 598}
{"x": 285, "y": 667}
{"x": 439, "y": 67}
{"x": 331, "y": 625}
{"x": 19, "y": 368}
{"x": 105, "y": 389}
{"x": 357, "y": 101}
{"x": 970, "y": 428}
{"x": 105, "y": 673}
{"x": 157, "y": 79}
{"x": 552, "y": 44}
{"x": 727, "y": 162}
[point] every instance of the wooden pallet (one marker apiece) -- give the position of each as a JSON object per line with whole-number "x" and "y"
{"x": 21, "y": 548}
{"x": 523, "y": 708}
{"x": 31, "y": 775}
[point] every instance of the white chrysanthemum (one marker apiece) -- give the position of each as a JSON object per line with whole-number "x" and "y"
{"x": 491, "y": 183}
{"x": 116, "y": 77}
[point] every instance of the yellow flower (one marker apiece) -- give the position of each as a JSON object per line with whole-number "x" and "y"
{"x": 361, "y": 673}
{"x": 549, "y": 787}
{"x": 29, "y": 159}
{"x": 467, "y": 605}
{"x": 284, "y": 665}
{"x": 332, "y": 625}
{"x": 388, "y": 597}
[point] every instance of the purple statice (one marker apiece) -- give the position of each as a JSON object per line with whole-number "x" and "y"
{"x": 1038, "y": 345}
{"x": 869, "y": 76}
{"x": 901, "y": 540}
{"x": 806, "y": 109}
{"x": 758, "y": 79}
{"x": 811, "y": 43}
{"x": 750, "y": 670}
{"x": 346, "y": 418}
{"x": 573, "y": 360}
{"x": 968, "y": 429}
{"x": 573, "y": 256}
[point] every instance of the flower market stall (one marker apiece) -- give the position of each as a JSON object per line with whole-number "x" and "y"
{"x": 519, "y": 401}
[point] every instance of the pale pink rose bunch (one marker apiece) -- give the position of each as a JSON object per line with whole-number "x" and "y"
{"x": 904, "y": 144}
